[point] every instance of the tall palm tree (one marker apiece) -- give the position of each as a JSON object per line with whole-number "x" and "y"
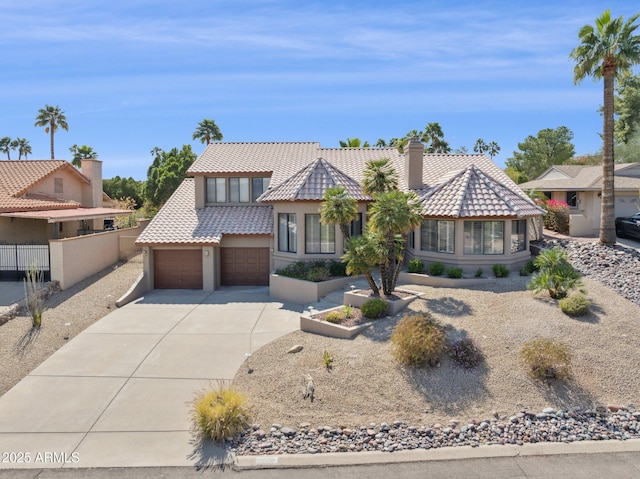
{"x": 393, "y": 215}
{"x": 5, "y": 146}
{"x": 338, "y": 207}
{"x": 379, "y": 176}
{"x": 353, "y": 143}
{"x": 434, "y": 137}
{"x": 24, "y": 148}
{"x": 480, "y": 146}
{"x": 361, "y": 254}
{"x": 493, "y": 149}
{"x": 51, "y": 118}
{"x": 607, "y": 51}
{"x": 80, "y": 153}
{"x": 207, "y": 132}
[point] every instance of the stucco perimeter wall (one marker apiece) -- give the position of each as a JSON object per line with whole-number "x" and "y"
{"x": 74, "y": 259}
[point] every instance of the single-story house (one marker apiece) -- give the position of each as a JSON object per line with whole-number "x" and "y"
{"x": 581, "y": 188}
{"x": 250, "y": 208}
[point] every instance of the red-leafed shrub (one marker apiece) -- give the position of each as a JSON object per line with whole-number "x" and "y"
{"x": 557, "y": 217}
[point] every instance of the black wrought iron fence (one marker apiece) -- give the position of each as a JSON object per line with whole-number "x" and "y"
{"x": 17, "y": 259}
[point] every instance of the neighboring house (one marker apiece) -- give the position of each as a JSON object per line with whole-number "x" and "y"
{"x": 581, "y": 188}
{"x": 251, "y": 208}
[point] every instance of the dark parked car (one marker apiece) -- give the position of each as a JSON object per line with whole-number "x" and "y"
{"x": 628, "y": 227}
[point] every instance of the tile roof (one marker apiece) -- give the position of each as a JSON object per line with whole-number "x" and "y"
{"x": 472, "y": 193}
{"x": 179, "y": 222}
{"x": 311, "y": 182}
{"x": 17, "y": 177}
{"x": 584, "y": 178}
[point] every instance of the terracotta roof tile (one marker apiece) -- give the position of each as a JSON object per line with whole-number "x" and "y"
{"x": 472, "y": 193}
{"x": 179, "y": 222}
{"x": 311, "y": 182}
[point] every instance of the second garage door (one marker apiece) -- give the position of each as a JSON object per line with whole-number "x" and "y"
{"x": 177, "y": 269}
{"x": 244, "y": 266}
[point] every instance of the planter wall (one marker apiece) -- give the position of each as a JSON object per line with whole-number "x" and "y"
{"x": 325, "y": 328}
{"x": 354, "y": 298}
{"x": 300, "y": 291}
{"x": 442, "y": 281}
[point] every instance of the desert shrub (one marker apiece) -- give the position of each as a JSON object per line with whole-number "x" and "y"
{"x": 479, "y": 273}
{"x": 455, "y": 273}
{"x": 466, "y": 353}
{"x": 528, "y": 268}
{"x": 500, "y": 271}
{"x": 416, "y": 266}
{"x": 327, "y": 359}
{"x": 576, "y": 305}
{"x": 556, "y": 275}
{"x": 33, "y": 299}
{"x": 418, "y": 340}
{"x": 557, "y": 216}
{"x": 221, "y": 413}
{"x": 295, "y": 270}
{"x": 348, "y": 311}
{"x": 436, "y": 269}
{"x": 337, "y": 269}
{"x": 334, "y": 317}
{"x": 317, "y": 273}
{"x": 546, "y": 359}
{"x": 374, "y": 308}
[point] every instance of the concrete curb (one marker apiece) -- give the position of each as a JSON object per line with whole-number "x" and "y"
{"x": 291, "y": 461}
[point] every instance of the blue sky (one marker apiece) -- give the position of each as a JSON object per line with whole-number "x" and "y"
{"x": 132, "y": 75}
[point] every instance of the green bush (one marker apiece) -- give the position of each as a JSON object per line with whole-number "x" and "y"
{"x": 337, "y": 269}
{"x": 479, "y": 273}
{"x": 418, "y": 340}
{"x": 316, "y": 271}
{"x": 416, "y": 266}
{"x": 466, "y": 353}
{"x": 500, "y": 271}
{"x": 546, "y": 359}
{"x": 436, "y": 269}
{"x": 221, "y": 413}
{"x": 335, "y": 317}
{"x": 455, "y": 273}
{"x": 557, "y": 216}
{"x": 556, "y": 275}
{"x": 317, "y": 274}
{"x": 576, "y": 305}
{"x": 374, "y": 308}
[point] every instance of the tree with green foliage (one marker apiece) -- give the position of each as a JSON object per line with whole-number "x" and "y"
{"x": 626, "y": 105}
{"x": 353, "y": 143}
{"x": 361, "y": 255}
{"x": 23, "y": 146}
{"x": 494, "y": 149}
{"x": 122, "y": 188}
{"x": 480, "y": 146}
{"x": 6, "y": 146}
{"x": 433, "y": 138}
{"x": 168, "y": 170}
{"x": 538, "y": 153}
{"x": 207, "y": 131}
{"x": 379, "y": 176}
{"x": 607, "y": 52}
{"x": 516, "y": 175}
{"x": 80, "y": 153}
{"x": 339, "y": 208}
{"x": 51, "y": 118}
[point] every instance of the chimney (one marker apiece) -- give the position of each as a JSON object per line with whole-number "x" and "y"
{"x": 413, "y": 159}
{"x": 92, "y": 196}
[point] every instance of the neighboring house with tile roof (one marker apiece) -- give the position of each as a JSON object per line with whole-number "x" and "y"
{"x": 581, "y": 186}
{"x": 251, "y": 208}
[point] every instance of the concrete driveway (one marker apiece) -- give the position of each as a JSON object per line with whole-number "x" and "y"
{"x": 119, "y": 393}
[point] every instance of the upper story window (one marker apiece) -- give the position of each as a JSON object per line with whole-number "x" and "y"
{"x": 236, "y": 189}
{"x": 57, "y": 185}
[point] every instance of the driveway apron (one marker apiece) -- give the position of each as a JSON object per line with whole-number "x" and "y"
{"x": 119, "y": 394}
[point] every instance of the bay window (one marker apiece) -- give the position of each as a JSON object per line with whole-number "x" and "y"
{"x": 438, "y": 236}
{"x": 287, "y": 232}
{"x": 319, "y": 238}
{"x": 484, "y": 237}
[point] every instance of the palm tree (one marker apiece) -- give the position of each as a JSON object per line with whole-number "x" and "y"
{"x": 207, "y": 132}
{"x": 338, "y": 207}
{"x": 51, "y": 118}
{"x": 353, "y": 143}
{"x": 434, "y": 137}
{"x": 24, "y": 148}
{"x": 494, "y": 149}
{"x": 80, "y": 153}
{"x": 379, "y": 177}
{"x": 381, "y": 143}
{"x": 361, "y": 254}
{"x": 607, "y": 51}
{"x": 480, "y": 146}
{"x": 393, "y": 215}
{"x": 5, "y": 146}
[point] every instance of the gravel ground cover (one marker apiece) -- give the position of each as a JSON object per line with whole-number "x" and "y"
{"x": 23, "y": 348}
{"x": 366, "y": 387}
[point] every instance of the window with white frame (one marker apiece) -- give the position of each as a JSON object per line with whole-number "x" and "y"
{"x": 287, "y": 232}
{"x": 518, "y": 235}
{"x": 484, "y": 237}
{"x": 438, "y": 236}
{"x": 319, "y": 238}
